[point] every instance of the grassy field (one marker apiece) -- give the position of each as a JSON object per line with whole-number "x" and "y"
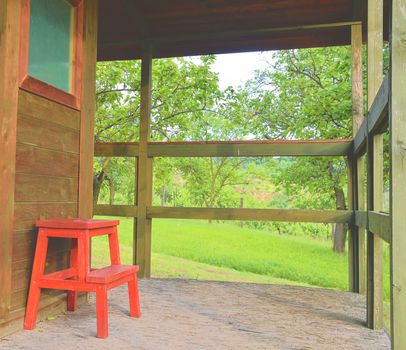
{"x": 225, "y": 251}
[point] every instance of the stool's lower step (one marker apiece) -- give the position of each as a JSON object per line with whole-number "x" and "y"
{"x": 110, "y": 273}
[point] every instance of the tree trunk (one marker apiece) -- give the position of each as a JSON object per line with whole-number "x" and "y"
{"x": 339, "y": 230}
{"x": 112, "y": 191}
{"x": 98, "y": 181}
{"x": 163, "y": 196}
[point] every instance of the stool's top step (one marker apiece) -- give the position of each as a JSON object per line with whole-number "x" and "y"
{"x": 73, "y": 223}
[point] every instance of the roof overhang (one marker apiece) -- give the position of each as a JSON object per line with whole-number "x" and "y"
{"x": 199, "y": 27}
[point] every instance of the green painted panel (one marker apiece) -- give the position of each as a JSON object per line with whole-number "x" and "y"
{"x": 50, "y": 53}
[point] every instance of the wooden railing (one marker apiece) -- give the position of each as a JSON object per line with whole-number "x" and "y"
{"x": 229, "y": 149}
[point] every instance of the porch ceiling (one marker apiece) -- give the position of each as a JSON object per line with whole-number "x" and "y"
{"x": 196, "y": 27}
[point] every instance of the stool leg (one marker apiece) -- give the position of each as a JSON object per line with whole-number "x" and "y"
{"x": 37, "y": 272}
{"x": 114, "y": 247}
{"x": 102, "y": 313}
{"x": 72, "y": 295}
{"x": 134, "y": 297}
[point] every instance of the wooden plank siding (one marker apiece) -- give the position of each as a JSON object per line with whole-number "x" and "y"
{"x": 47, "y": 173}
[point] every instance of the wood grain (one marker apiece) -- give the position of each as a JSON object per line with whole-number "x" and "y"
{"x": 38, "y": 107}
{"x": 142, "y": 225}
{"x": 279, "y": 215}
{"x": 41, "y": 161}
{"x": 9, "y": 48}
{"x": 375, "y": 167}
{"x": 88, "y": 111}
{"x": 397, "y": 110}
{"x": 39, "y": 188}
{"x": 27, "y": 213}
{"x": 31, "y": 131}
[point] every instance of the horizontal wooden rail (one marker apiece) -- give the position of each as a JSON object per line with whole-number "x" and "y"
{"x": 116, "y": 149}
{"x": 375, "y": 222}
{"x": 377, "y": 119}
{"x": 282, "y": 215}
{"x": 251, "y": 148}
{"x": 115, "y": 210}
{"x": 229, "y": 148}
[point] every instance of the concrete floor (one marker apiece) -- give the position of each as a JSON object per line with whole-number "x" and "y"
{"x": 184, "y": 314}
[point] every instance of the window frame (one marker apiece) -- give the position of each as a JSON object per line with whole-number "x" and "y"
{"x": 41, "y": 88}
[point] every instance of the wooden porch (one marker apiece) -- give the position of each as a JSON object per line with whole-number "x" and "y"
{"x": 185, "y": 314}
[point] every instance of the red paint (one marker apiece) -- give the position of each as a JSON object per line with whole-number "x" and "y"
{"x": 80, "y": 277}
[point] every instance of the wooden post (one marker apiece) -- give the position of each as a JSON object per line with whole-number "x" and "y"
{"x": 88, "y": 109}
{"x": 9, "y": 57}
{"x": 356, "y": 241}
{"x": 375, "y": 168}
{"x": 397, "y": 110}
{"x": 142, "y": 225}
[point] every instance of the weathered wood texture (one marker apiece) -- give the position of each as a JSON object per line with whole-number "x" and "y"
{"x": 142, "y": 224}
{"x": 397, "y": 109}
{"x": 116, "y": 210}
{"x": 116, "y": 149}
{"x": 376, "y": 222}
{"x": 220, "y": 26}
{"x": 356, "y": 254}
{"x": 9, "y": 49}
{"x": 281, "y": 215}
{"x": 227, "y": 148}
{"x": 377, "y": 120}
{"x": 375, "y": 167}
{"x": 88, "y": 109}
{"x": 250, "y": 148}
{"x": 47, "y": 173}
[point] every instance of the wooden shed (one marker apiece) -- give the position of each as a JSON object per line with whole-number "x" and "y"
{"x": 48, "y": 55}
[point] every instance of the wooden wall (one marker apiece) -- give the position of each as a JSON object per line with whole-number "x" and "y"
{"x": 50, "y": 173}
{"x": 47, "y": 177}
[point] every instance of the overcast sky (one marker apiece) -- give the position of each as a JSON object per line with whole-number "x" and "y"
{"x": 235, "y": 69}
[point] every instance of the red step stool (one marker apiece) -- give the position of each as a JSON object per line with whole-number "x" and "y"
{"x": 79, "y": 276}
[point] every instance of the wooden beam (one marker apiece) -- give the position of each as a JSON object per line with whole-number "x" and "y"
{"x": 10, "y": 11}
{"x": 116, "y": 149}
{"x": 377, "y": 120}
{"x": 116, "y": 210}
{"x": 249, "y": 33}
{"x": 88, "y": 109}
{"x": 397, "y": 110}
{"x": 250, "y": 148}
{"x": 243, "y": 214}
{"x": 377, "y": 222}
{"x": 142, "y": 224}
{"x": 228, "y": 35}
{"x": 375, "y": 168}
{"x": 361, "y": 219}
{"x": 356, "y": 241}
{"x": 380, "y": 224}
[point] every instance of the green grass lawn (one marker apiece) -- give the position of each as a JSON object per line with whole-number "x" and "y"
{"x": 225, "y": 251}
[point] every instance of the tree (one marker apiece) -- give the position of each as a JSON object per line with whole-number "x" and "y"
{"x": 306, "y": 94}
{"x": 184, "y": 90}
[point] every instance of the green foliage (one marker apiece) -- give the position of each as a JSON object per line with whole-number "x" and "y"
{"x": 305, "y": 94}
